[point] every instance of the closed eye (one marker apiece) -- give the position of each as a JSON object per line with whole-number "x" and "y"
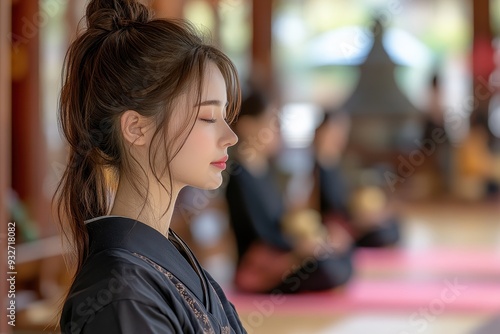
{"x": 208, "y": 120}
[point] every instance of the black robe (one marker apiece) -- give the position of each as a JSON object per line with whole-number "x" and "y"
{"x": 334, "y": 198}
{"x": 135, "y": 280}
{"x": 255, "y": 209}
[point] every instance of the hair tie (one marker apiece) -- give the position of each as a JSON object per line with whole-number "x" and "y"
{"x": 120, "y": 23}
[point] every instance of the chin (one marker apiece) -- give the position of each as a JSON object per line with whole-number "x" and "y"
{"x": 212, "y": 187}
{"x": 207, "y": 187}
{"x": 211, "y": 184}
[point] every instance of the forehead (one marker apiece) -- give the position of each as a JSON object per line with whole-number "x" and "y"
{"x": 211, "y": 88}
{"x": 214, "y": 84}
{"x": 213, "y": 92}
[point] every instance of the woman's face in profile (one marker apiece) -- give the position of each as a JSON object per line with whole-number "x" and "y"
{"x": 202, "y": 158}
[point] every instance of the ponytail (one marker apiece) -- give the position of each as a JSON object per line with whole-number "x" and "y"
{"x": 82, "y": 195}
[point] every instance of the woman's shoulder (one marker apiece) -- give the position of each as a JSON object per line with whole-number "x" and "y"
{"x": 115, "y": 274}
{"x": 111, "y": 277}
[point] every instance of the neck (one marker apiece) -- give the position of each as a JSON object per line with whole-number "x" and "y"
{"x": 128, "y": 203}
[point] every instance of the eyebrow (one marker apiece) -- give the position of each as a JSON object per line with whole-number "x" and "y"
{"x": 211, "y": 103}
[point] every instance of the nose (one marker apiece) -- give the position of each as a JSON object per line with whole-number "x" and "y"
{"x": 229, "y": 138}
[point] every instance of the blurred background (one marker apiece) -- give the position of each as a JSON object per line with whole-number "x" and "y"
{"x": 420, "y": 83}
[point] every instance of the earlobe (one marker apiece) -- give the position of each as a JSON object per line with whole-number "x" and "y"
{"x": 133, "y": 127}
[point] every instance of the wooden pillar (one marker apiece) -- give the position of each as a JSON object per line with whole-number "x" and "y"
{"x": 262, "y": 67}
{"x": 172, "y": 9}
{"x": 5, "y": 142}
{"x": 482, "y": 58}
{"x": 29, "y": 162}
{"x": 215, "y": 6}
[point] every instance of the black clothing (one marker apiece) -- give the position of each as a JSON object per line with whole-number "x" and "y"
{"x": 334, "y": 193}
{"x": 334, "y": 197}
{"x": 385, "y": 235}
{"x": 321, "y": 273}
{"x": 135, "y": 280}
{"x": 256, "y": 209}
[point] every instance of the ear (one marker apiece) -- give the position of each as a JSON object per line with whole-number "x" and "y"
{"x": 134, "y": 127}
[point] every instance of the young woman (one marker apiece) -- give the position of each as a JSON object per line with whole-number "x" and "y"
{"x": 145, "y": 106}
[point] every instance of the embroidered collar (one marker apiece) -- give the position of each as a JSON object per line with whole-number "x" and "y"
{"x": 109, "y": 232}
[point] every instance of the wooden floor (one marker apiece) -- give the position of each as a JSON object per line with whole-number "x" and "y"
{"x": 460, "y": 231}
{"x": 396, "y": 291}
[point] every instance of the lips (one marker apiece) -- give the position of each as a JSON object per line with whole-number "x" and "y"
{"x": 221, "y": 163}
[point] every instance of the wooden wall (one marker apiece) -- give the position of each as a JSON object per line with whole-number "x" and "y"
{"x": 5, "y": 113}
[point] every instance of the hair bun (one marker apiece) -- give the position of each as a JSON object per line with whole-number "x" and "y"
{"x": 111, "y": 15}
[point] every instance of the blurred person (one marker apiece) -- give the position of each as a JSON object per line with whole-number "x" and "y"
{"x": 365, "y": 211}
{"x": 278, "y": 251}
{"x": 476, "y": 174}
{"x": 437, "y": 163}
{"x": 144, "y": 106}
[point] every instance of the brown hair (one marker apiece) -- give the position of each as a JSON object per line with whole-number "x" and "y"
{"x": 124, "y": 60}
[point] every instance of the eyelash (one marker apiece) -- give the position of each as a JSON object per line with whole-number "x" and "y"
{"x": 211, "y": 120}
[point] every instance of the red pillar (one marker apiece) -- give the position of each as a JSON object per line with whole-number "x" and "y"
{"x": 262, "y": 68}
{"x": 29, "y": 162}
{"x": 172, "y": 9}
{"x": 482, "y": 58}
{"x": 5, "y": 141}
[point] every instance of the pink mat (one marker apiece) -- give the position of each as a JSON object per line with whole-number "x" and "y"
{"x": 478, "y": 262}
{"x": 440, "y": 280}
{"x": 436, "y": 297}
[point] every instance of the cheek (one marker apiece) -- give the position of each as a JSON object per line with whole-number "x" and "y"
{"x": 199, "y": 140}
{"x": 197, "y": 146}
{"x": 186, "y": 163}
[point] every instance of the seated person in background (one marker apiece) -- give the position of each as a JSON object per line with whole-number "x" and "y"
{"x": 365, "y": 213}
{"x": 269, "y": 259}
{"x": 476, "y": 164}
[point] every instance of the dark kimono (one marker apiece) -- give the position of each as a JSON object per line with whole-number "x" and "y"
{"x": 334, "y": 197}
{"x": 135, "y": 280}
